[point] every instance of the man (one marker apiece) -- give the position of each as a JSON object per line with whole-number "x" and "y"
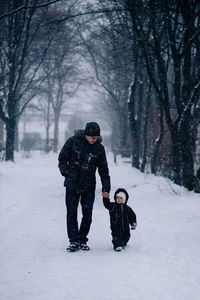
{"x": 79, "y": 158}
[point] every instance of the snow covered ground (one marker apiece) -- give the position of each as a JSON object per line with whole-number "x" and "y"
{"x": 162, "y": 260}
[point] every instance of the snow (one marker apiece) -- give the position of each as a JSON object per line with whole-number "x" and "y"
{"x": 161, "y": 261}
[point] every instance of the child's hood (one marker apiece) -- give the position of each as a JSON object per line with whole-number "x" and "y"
{"x": 121, "y": 190}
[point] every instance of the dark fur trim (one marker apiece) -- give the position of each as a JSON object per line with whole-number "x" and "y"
{"x": 79, "y": 132}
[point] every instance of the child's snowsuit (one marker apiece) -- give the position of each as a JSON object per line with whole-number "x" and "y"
{"x": 121, "y": 217}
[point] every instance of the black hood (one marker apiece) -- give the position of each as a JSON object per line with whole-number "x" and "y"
{"x": 123, "y": 191}
{"x": 81, "y": 133}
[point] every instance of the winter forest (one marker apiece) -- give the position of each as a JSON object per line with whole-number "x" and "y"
{"x": 133, "y": 66}
{"x": 140, "y": 58}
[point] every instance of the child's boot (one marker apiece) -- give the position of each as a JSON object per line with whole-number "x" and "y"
{"x": 118, "y": 249}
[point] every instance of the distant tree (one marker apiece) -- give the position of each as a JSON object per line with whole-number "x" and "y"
{"x": 108, "y": 51}
{"x": 75, "y": 123}
{"x": 61, "y": 63}
{"x": 25, "y": 38}
{"x": 18, "y": 37}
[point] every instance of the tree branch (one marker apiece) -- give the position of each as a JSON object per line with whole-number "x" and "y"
{"x": 23, "y": 7}
{"x": 101, "y": 11}
{"x": 2, "y": 114}
{"x": 189, "y": 42}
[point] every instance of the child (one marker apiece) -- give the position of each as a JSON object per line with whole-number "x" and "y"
{"x": 121, "y": 215}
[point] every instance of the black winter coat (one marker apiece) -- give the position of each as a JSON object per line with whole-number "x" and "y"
{"x": 121, "y": 215}
{"x": 78, "y": 161}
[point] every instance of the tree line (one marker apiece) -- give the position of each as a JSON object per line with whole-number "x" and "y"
{"x": 151, "y": 76}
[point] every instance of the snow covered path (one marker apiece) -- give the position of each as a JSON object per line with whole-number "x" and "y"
{"x": 161, "y": 262}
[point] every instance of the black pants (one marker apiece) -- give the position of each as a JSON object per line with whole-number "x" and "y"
{"x": 120, "y": 239}
{"x": 72, "y": 198}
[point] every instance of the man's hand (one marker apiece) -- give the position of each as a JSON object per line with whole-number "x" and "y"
{"x": 105, "y": 195}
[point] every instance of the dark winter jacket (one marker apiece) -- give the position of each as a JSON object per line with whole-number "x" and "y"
{"x": 121, "y": 215}
{"x": 78, "y": 161}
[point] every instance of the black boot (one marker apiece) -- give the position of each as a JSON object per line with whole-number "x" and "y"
{"x": 85, "y": 247}
{"x": 73, "y": 247}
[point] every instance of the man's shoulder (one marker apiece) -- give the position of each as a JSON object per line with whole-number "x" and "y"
{"x": 69, "y": 140}
{"x": 73, "y": 139}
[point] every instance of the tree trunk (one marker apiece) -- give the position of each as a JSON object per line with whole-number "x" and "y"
{"x": 47, "y": 146}
{"x": 17, "y": 136}
{"x": 144, "y": 158}
{"x": 146, "y": 118}
{"x": 124, "y": 134}
{"x": 176, "y": 156}
{"x": 187, "y": 149}
{"x": 157, "y": 143}
{"x": 56, "y": 132}
{"x": 141, "y": 87}
{"x": 1, "y": 132}
{"x": 10, "y": 139}
{"x": 133, "y": 126}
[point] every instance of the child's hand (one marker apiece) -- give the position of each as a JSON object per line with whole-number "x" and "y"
{"x": 105, "y": 195}
{"x": 133, "y": 226}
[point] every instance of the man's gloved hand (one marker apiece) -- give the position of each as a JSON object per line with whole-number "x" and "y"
{"x": 133, "y": 226}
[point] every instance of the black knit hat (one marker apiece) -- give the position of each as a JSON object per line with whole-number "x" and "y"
{"x": 92, "y": 129}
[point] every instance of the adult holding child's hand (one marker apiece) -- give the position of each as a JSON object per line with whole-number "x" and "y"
{"x": 105, "y": 195}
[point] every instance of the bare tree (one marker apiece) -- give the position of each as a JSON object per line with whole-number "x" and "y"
{"x": 18, "y": 34}
{"x": 25, "y": 40}
{"x": 63, "y": 81}
{"x": 108, "y": 51}
{"x": 166, "y": 34}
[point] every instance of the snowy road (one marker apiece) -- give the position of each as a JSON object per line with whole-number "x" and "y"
{"x": 161, "y": 262}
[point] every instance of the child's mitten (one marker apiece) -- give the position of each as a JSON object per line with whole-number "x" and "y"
{"x": 133, "y": 226}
